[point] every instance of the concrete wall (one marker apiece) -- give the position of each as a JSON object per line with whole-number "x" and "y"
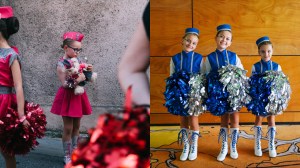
{"x": 107, "y": 25}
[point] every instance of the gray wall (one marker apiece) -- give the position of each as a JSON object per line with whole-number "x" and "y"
{"x": 107, "y": 25}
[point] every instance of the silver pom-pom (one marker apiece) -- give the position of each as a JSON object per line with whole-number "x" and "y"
{"x": 236, "y": 83}
{"x": 197, "y": 94}
{"x": 280, "y": 92}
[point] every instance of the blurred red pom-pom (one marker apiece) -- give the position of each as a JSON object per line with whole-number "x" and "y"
{"x": 16, "y": 139}
{"x": 116, "y": 142}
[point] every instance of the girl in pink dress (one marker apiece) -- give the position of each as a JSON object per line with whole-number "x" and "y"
{"x": 10, "y": 74}
{"x": 66, "y": 104}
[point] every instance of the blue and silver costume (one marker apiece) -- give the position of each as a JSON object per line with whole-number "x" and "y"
{"x": 182, "y": 66}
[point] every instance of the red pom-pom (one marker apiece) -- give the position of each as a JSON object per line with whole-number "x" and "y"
{"x": 16, "y": 139}
{"x": 116, "y": 142}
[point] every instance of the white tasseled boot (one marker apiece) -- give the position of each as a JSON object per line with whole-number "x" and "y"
{"x": 194, "y": 145}
{"x": 234, "y": 138}
{"x": 271, "y": 137}
{"x": 257, "y": 143}
{"x": 67, "y": 151}
{"x": 186, "y": 146}
{"x": 74, "y": 142}
{"x": 224, "y": 150}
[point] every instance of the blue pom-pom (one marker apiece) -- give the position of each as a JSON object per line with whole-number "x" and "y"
{"x": 259, "y": 92}
{"x": 216, "y": 102}
{"x": 176, "y": 94}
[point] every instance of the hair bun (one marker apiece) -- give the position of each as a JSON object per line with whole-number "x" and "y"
{"x": 12, "y": 25}
{"x": 3, "y": 28}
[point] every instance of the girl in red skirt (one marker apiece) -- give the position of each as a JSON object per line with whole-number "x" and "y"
{"x": 10, "y": 74}
{"x": 66, "y": 104}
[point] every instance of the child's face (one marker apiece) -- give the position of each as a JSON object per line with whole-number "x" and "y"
{"x": 223, "y": 40}
{"x": 265, "y": 51}
{"x": 73, "y": 49}
{"x": 189, "y": 43}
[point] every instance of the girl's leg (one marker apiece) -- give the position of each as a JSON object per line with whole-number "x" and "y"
{"x": 184, "y": 122}
{"x": 75, "y": 132}
{"x": 271, "y": 121}
{"x": 257, "y": 136}
{"x": 235, "y": 120}
{"x": 224, "y": 135}
{"x": 194, "y": 123}
{"x": 66, "y": 138}
{"x": 225, "y": 120}
{"x": 271, "y": 136}
{"x": 234, "y": 132}
{"x": 258, "y": 120}
{"x": 68, "y": 128}
{"x": 184, "y": 132}
{"x": 9, "y": 160}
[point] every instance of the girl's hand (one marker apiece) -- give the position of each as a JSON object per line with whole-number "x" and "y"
{"x": 89, "y": 67}
{"x": 81, "y": 77}
{"x": 25, "y": 123}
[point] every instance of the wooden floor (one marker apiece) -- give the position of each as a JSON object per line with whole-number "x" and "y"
{"x": 165, "y": 151}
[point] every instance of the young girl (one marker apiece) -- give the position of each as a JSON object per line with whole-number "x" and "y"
{"x": 10, "y": 75}
{"x": 265, "y": 50}
{"x": 70, "y": 106}
{"x": 215, "y": 60}
{"x": 192, "y": 63}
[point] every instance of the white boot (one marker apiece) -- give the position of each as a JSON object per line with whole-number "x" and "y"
{"x": 271, "y": 137}
{"x": 224, "y": 150}
{"x": 234, "y": 138}
{"x": 257, "y": 144}
{"x": 67, "y": 151}
{"x": 74, "y": 142}
{"x": 186, "y": 146}
{"x": 194, "y": 145}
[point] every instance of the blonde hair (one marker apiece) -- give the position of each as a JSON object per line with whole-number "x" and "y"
{"x": 223, "y": 31}
{"x": 265, "y": 43}
{"x": 190, "y": 34}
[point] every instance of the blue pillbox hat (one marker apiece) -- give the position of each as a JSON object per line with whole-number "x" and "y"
{"x": 192, "y": 30}
{"x": 262, "y": 39}
{"x": 224, "y": 27}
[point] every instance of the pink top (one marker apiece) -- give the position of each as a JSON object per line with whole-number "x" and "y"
{"x": 7, "y": 56}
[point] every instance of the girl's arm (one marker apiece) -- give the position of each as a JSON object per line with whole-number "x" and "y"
{"x": 252, "y": 70}
{"x": 60, "y": 71}
{"x": 172, "y": 67}
{"x": 133, "y": 66}
{"x": 17, "y": 78}
{"x": 202, "y": 66}
{"x": 207, "y": 66}
{"x": 279, "y": 68}
{"x": 239, "y": 63}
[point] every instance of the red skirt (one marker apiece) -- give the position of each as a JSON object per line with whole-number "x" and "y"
{"x": 6, "y": 101}
{"x": 66, "y": 103}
